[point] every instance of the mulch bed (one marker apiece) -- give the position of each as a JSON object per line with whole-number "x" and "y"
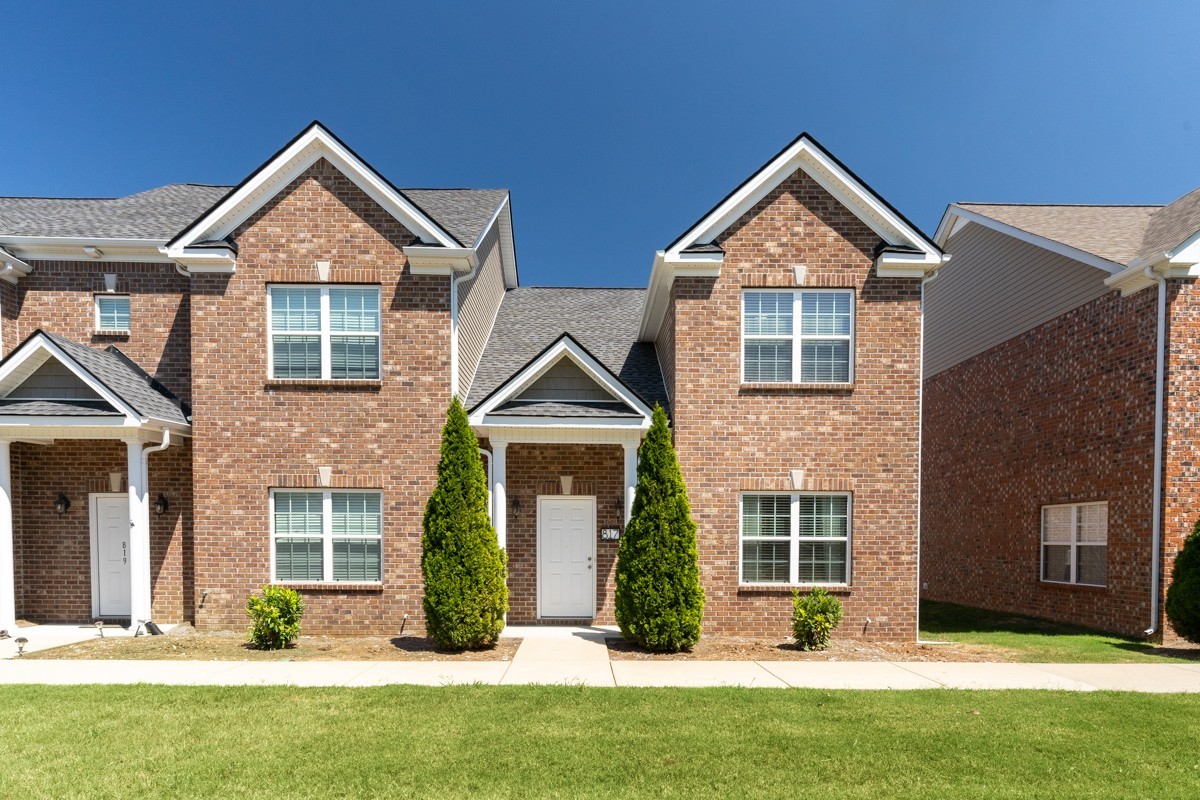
{"x": 737, "y": 648}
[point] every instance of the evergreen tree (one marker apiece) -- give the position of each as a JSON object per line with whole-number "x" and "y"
{"x": 466, "y": 592}
{"x": 1183, "y": 596}
{"x": 659, "y": 601}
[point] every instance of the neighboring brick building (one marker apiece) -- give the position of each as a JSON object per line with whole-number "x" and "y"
{"x": 296, "y": 339}
{"x": 1041, "y": 383}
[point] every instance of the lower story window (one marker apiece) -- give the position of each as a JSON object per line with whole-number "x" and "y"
{"x": 795, "y": 539}
{"x": 1075, "y": 543}
{"x": 327, "y": 536}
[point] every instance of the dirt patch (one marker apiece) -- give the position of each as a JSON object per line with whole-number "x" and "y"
{"x": 209, "y": 647}
{"x": 737, "y": 648}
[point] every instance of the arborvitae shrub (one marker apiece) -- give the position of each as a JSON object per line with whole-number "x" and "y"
{"x": 276, "y": 617}
{"x": 466, "y": 594}
{"x": 659, "y": 602}
{"x": 1183, "y": 595}
{"x": 814, "y": 616}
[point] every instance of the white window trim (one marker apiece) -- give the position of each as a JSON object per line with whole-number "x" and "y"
{"x": 326, "y": 534}
{"x": 796, "y": 337}
{"x": 100, "y": 328}
{"x": 794, "y": 539}
{"x": 326, "y": 335}
{"x": 1073, "y": 546}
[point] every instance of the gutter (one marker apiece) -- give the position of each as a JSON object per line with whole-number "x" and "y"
{"x": 1156, "y": 532}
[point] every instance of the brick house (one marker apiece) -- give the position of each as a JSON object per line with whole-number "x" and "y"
{"x": 1060, "y": 467}
{"x": 208, "y": 388}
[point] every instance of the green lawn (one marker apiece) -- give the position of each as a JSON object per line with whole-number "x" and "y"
{"x": 571, "y": 742}
{"x": 1038, "y": 640}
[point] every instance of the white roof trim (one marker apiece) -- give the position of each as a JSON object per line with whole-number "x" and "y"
{"x": 565, "y": 347}
{"x": 955, "y": 214}
{"x": 807, "y": 155}
{"x": 310, "y": 146}
{"x": 43, "y": 348}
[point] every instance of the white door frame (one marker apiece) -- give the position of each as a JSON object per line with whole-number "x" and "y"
{"x": 591, "y": 499}
{"x": 94, "y": 555}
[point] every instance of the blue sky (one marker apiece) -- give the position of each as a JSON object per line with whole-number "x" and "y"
{"x": 614, "y": 124}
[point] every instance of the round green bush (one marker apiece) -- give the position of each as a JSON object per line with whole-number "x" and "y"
{"x": 658, "y": 599}
{"x": 814, "y": 616}
{"x": 1183, "y": 595}
{"x": 276, "y": 617}
{"x": 466, "y": 591}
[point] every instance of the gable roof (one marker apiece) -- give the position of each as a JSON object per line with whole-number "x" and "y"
{"x": 112, "y": 374}
{"x": 156, "y": 214}
{"x": 603, "y": 321}
{"x": 1111, "y": 232}
{"x": 1171, "y": 226}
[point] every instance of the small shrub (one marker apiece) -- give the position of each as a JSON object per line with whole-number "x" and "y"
{"x": 1183, "y": 596}
{"x": 814, "y": 616}
{"x": 276, "y": 617}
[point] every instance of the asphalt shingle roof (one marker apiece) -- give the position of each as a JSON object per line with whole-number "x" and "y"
{"x": 1113, "y": 233}
{"x": 1170, "y": 226}
{"x": 462, "y": 212}
{"x": 604, "y": 321}
{"x": 125, "y": 379}
{"x": 56, "y": 408}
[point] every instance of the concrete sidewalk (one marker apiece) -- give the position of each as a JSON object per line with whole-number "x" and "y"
{"x": 579, "y": 656}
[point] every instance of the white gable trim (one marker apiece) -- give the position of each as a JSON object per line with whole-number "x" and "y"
{"x": 805, "y": 154}
{"x": 36, "y": 352}
{"x": 310, "y": 146}
{"x": 565, "y": 347}
{"x": 956, "y": 216}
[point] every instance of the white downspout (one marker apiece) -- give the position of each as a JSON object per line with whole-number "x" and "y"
{"x": 920, "y": 446}
{"x": 454, "y": 282}
{"x": 1156, "y": 525}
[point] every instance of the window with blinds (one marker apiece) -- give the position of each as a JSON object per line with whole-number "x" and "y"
{"x": 325, "y": 332}
{"x": 327, "y": 536}
{"x": 795, "y": 539}
{"x": 112, "y": 312}
{"x": 1075, "y": 544}
{"x": 800, "y": 336}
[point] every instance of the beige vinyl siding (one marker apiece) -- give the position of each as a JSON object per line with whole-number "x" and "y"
{"x": 994, "y": 288}
{"x": 478, "y": 301}
{"x": 566, "y": 380}
{"x": 53, "y": 380}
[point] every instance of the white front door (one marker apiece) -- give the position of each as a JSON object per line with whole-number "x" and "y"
{"x": 110, "y": 552}
{"x": 566, "y": 557}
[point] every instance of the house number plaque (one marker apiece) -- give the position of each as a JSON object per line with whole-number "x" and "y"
{"x": 609, "y": 534}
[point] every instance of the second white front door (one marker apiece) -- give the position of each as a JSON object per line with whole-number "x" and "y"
{"x": 110, "y": 550}
{"x": 566, "y": 557}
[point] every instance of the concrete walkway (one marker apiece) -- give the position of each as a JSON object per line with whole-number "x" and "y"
{"x": 578, "y": 656}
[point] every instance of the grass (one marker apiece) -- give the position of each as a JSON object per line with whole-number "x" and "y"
{"x": 575, "y": 742}
{"x": 1037, "y": 640}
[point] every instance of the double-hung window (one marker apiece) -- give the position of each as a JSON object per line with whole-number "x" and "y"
{"x": 327, "y": 536}
{"x": 795, "y": 539}
{"x": 1075, "y": 543}
{"x": 325, "y": 332}
{"x": 112, "y": 312}
{"x": 797, "y": 336}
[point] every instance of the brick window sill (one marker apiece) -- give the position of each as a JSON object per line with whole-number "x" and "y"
{"x": 334, "y": 586}
{"x": 798, "y": 388}
{"x": 319, "y": 383}
{"x": 1071, "y": 587}
{"x": 112, "y": 334}
{"x": 837, "y": 588}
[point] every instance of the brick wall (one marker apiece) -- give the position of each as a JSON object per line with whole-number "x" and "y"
{"x": 53, "y": 551}
{"x": 534, "y": 469}
{"x": 863, "y": 438}
{"x": 252, "y": 434}
{"x": 1063, "y": 413}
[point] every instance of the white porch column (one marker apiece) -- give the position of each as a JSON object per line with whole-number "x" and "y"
{"x": 499, "y": 501}
{"x": 8, "y": 589}
{"x": 139, "y": 534}
{"x": 631, "y": 463}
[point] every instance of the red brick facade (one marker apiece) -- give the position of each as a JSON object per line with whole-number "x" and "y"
{"x": 861, "y": 438}
{"x": 1063, "y": 413}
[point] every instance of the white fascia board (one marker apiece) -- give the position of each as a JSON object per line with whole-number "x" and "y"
{"x": 521, "y": 381}
{"x": 426, "y": 260}
{"x": 313, "y": 145}
{"x": 58, "y": 248}
{"x": 1187, "y": 253}
{"x": 204, "y": 260}
{"x": 27, "y": 422}
{"x": 1082, "y": 256}
{"x": 12, "y": 267}
{"x": 663, "y": 272}
{"x": 844, "y": 188}
{"x": 42, "y": 344}
{"x": 907, "y": 265}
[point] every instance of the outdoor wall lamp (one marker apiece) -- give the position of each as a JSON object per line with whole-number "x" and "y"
{"x": 516, "y": 504}
{"x": 161, "y": 505}
{"x": 62, "y": 503}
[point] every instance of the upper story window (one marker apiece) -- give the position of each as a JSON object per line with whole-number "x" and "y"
{"x": 1075, "y": 543}
{"x": 112, "y": 312}
{"x": 324, "y": 332}
{"x": 798, "y": 336}
{"x": 795, "y": 539}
